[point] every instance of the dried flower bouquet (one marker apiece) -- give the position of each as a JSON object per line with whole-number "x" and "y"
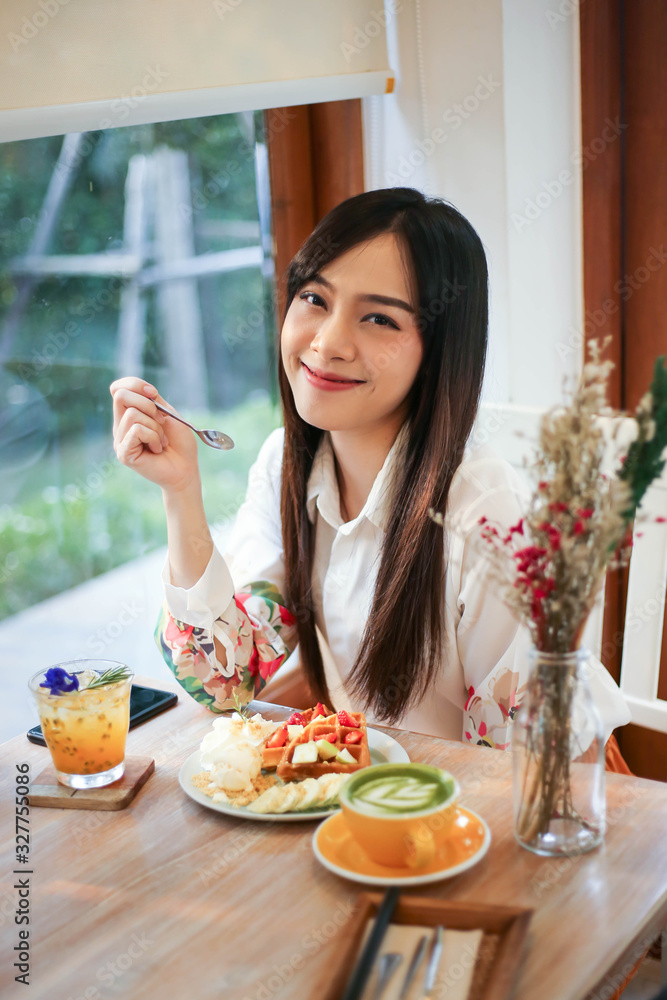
{"x": 579, "y": 520}
{"x": 551, "y": 564}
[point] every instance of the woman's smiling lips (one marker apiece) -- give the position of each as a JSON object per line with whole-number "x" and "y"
{"x": 328, "y": 382}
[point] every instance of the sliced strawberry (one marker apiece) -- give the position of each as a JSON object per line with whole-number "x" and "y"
{"x": 279, "y": 738}
{"x": 329, "y": 737}
{"x": 321, "y": 709}
{"x": 346, "y": 720}
{"x": 296, "y": 719}
{"x": 353, "y": 738}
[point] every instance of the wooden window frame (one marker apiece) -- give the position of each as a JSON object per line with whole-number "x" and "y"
{"x": 315, "y": 162}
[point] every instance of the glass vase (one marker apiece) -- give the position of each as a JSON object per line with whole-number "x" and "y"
{"x": 558, "y": 758}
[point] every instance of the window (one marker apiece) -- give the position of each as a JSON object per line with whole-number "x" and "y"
{"x": 142, "y": 250}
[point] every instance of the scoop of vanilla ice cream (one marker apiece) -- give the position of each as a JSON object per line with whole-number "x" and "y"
{"x": 231, "y": 731}
{"x": 231, "y": 751}
{"x": 236, "y": 767}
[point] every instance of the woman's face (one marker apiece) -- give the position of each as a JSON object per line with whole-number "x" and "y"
{"x": 350, "y": 343}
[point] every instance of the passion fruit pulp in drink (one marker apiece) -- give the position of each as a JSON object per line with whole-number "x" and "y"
{"x": 86, "y": 731}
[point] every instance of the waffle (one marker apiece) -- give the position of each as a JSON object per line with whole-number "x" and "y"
{"x": 271, "y": 756}
{"x": 335, "y": 733}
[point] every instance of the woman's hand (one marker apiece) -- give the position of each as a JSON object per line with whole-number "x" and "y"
{"x": 158, "y": 448}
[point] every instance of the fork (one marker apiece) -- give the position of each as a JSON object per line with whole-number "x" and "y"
{"x": 387, "y": 966}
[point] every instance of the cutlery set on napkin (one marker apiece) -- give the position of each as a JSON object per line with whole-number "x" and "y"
{"x": 409, "y": 962}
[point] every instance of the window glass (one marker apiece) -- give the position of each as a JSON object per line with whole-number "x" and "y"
{"x": 142, "y": 250}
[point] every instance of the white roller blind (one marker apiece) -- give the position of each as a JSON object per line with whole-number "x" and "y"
{"x": 75, "y": 65}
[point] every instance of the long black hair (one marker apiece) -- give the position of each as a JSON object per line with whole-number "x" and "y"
{"x": 402, "y": 646}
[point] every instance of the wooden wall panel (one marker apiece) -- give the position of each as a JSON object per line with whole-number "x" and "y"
{"x": 600, "y": 22}
{"x": 645, "y": 272}
{"x": 624, "y": 78}
{"x": 600, "y": 27}
{"x": 645, "y": 278}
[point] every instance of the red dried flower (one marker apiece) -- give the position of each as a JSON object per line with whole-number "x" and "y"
{"x": 552, "y": 533}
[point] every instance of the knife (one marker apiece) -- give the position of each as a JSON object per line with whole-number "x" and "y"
{"x": 419, "y": 952}
{"x": 433, "y": 962}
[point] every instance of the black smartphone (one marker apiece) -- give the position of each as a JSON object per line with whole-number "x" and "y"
{"x": 144, "y": 704}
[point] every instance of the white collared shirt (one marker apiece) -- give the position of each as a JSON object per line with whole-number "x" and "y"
{"x": 484, "y": 659}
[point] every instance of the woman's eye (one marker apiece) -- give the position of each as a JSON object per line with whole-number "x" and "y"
{"x": 312, "y": 298}
{"x": 379, "y": 319}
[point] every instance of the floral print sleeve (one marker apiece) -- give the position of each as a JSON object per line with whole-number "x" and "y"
{"x": 489, "y": 711}
{"x": 256, "y": 630}
{"x": 492, "y": 646}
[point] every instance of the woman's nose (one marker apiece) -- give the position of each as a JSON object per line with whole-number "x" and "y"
{"x": 333, "y": 339}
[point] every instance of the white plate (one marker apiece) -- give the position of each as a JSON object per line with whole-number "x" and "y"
{"x": 383, "y": 749}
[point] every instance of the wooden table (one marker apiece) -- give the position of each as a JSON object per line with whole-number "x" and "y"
{"x": 167, "y": 899}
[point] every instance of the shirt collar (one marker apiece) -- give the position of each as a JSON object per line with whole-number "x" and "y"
{"x": 323, "y": 496}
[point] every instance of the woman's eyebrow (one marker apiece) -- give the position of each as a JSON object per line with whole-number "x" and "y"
{"x": 384, "y": 300}
{"x": 387, "y": 300}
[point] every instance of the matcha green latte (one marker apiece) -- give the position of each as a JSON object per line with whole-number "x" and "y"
{"x": 399, "y": 789}
{"x": 398, "y": 813}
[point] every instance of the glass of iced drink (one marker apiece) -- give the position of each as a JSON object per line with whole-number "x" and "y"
{"x": 84, "y": 709}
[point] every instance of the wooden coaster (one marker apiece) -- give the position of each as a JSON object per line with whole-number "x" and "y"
{"x": 47, "y": 791}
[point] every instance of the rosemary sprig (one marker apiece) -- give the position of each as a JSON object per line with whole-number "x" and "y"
{"x": 241, "y": 709}
{"x": 111, "y": 676}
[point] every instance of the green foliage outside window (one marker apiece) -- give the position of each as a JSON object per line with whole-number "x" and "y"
{"x": 55, "y": 409}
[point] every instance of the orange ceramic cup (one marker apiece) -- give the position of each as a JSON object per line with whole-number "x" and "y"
{"x": 400, "y": 813}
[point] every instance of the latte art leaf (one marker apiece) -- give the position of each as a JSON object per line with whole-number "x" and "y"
{"x": 399, "y": 794}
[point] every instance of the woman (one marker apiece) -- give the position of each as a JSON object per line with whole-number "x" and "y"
{"x": 381, "y": 366}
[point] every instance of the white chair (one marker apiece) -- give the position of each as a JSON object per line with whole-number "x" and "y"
{"x": 645, "y": 612}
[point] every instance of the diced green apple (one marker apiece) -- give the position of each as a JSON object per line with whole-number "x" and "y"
{"x": 294, "y": 731}
{"x": 304, "y": 753}
{"x": 318, "y": 718}
{"x": 345, "y": 757}
{"x": 325, "y": 749}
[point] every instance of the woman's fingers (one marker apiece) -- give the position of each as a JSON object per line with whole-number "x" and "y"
{"x": 133, "y": 416}
{"x": 159, "y": 448}
{"x": 131, "y": 447}
{"x": 135, "y": 384}
{"x": 133, "y": 397}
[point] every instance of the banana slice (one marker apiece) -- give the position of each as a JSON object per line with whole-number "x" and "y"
{"x": 335, "y": 787}
{"x": 329, "y": 785}
{"x": 269, "y": 801}
{"x": 310, "y": 794}
{"x": 290, "y": 796}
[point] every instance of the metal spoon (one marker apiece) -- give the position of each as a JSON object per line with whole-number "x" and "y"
{"x": 215, "y": 439}
{"x": 387, "y": 966}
